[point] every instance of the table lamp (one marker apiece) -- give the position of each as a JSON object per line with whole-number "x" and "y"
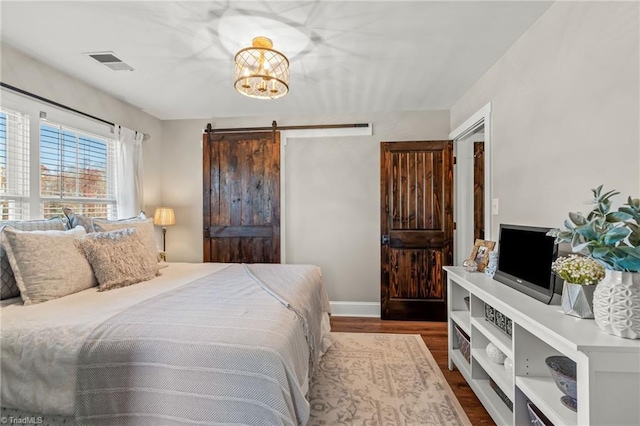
{"x": 164, "y": 217}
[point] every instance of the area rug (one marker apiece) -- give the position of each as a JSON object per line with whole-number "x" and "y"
{"x": 381, "y": 379}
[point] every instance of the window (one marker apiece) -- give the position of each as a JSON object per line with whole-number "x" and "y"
{"x": 76, "y": 170}
{"x": 14, "y": 165}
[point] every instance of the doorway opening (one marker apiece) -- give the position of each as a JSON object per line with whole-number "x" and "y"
{"x": 472, "y": 182}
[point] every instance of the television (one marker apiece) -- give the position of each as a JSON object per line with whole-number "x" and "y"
{"x": 525, "y": 254}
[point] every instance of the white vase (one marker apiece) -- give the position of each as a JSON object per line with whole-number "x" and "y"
{"x": 495, "y": 354}
{"x": 616, "y": 304}
{"x": 508, "y": 366}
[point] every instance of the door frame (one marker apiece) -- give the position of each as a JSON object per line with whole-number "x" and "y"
{"x": 482, "y": 117}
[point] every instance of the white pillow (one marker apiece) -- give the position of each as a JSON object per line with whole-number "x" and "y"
{"x": 47, "y": 264}
{"x": 143, "y": 227}
{"x": 8, "y": 286}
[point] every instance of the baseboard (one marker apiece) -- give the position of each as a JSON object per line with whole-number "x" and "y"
{"x": 355, "y": 309}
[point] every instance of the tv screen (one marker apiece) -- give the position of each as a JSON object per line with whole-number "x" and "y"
{"x": 525, "y": 254}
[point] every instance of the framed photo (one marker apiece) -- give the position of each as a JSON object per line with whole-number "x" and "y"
{"x": 480, "y": 253}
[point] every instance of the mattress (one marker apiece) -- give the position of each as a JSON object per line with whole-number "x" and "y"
{"x": 41, "y": 343}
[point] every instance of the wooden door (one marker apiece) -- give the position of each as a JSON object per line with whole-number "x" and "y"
{"x": 417, "y": 228}
{"x": 478, "y": 190}
{"x": 241, "y": 199}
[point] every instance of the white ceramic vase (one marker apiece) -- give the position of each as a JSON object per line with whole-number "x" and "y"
{"x": 508, "y": 366}
{"x": 616, "y": 304}
{"x": 495, "y": 354}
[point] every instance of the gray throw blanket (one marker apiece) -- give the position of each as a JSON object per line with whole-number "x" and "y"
{"x": 235, "y": 347}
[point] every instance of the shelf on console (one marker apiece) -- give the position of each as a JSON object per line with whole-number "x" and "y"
{"x": 462, "y": 364}
{"x": 544, "y": 393}
{"x": 492, "y": 402}
{"x": 497, "y": 337}
{"x": 496, "y": 371}
{"x": 463, "y": 320}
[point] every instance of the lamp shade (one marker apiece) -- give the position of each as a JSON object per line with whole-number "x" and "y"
{"x": 164, "y": 216}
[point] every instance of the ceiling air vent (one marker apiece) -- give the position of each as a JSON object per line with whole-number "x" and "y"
{"x": 109, "y": 60}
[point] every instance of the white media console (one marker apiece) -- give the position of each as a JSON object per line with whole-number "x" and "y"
{"x": 608, "y": 367}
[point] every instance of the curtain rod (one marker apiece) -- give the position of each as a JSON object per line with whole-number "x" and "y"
{"x": 59, "y": 105}
{"x": 274, "y": 126}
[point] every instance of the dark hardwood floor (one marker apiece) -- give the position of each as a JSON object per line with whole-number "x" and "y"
{"x": 434, "y": 335}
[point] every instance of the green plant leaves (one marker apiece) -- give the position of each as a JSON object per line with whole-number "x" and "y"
{"x": 629, "y": 264}
{"x": 619, "y": 216}
{"x": 599, "y": 252}
{"x": 580, "y": 248}
{"x": 634, "y": 237}
{"x": 631, "y": 251}
{"x": 588, "y": 231}
{"x": 578, "y": 219}
{"x": 611, "y": 237}
{"x": 615, "y": 235}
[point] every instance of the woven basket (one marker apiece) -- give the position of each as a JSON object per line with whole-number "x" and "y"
{"x": 463, "y": 343}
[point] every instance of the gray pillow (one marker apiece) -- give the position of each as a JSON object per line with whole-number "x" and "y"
{"x": 74, "y": 220}
{"x": 87, "y": 222}
{"x": 47, "y": 264}
{"x": 118, "y": 258}
{"x": 8, "y": 287}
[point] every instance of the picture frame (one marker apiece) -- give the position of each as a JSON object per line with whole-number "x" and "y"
{"x": 480, "y": 253}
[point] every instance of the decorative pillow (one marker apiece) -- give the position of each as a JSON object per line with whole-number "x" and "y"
{"x": 47, "y": 264}
{"x": 144, "y": 228}
{"x": 87, "y": 222}
{"x": 8, "y": 287}
{"x": 119, "y": 258}
{"x": 74, "y": 220}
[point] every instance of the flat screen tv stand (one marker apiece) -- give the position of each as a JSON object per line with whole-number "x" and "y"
{"x": 608, "y": 367}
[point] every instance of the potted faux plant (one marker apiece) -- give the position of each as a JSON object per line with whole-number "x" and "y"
{"x": 580, "y": 275}
{"x": 613, "y": 239}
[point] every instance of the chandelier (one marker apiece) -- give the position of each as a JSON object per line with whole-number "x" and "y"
{"x": 260, "y": 71}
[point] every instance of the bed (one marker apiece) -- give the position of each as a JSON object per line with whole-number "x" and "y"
{"x": 200, "y": 344}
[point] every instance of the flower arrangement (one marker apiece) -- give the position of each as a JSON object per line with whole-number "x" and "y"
{"x": 576, "y": 269}
{"x": 610, "y": 237}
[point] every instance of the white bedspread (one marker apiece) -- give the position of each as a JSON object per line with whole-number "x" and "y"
{"x": 40, "y": 343}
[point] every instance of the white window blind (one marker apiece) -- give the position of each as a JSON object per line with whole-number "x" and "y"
{"x": 76, "y": 170}
{"x": 14, "y": 165}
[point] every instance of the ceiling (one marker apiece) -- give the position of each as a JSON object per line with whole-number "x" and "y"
{"x": 346, "y": 56}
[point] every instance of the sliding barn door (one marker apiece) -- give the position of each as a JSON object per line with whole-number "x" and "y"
{"x": 417, "y": 228}
{"x": 241, "y": 197}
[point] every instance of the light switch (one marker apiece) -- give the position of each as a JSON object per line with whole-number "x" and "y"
{"x": 494, "y": 206}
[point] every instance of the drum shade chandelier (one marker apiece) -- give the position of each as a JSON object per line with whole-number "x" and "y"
{"x": 260, "y": 71}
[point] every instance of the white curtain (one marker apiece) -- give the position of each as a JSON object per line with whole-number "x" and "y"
{"x": 129, "y": 172}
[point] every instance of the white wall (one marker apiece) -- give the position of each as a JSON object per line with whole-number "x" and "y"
{"x": 27, "y": 73}
{"x": 332, "y": 193}
{"x": 565, "y": 102}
